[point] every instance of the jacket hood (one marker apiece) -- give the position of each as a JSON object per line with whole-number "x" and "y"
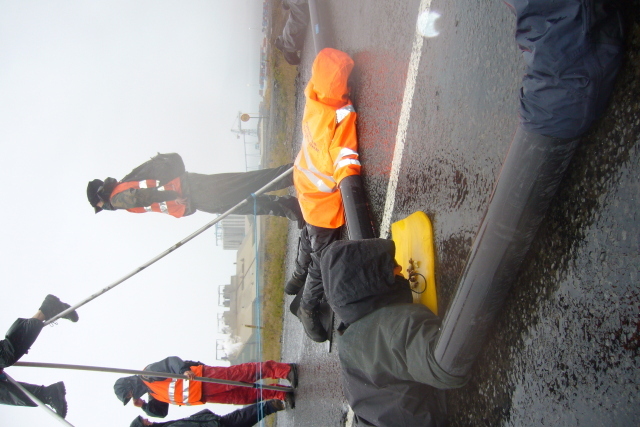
{"x": 358, "y": 278}
{"x": 329, "y": 84}
{"x": 137, "y": 422}
{"x": 124, "y": 385}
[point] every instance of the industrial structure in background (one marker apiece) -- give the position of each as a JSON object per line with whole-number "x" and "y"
{"x": 250, "y": 136}
{"x": 230, "y": 232}
{"x": 240, "y": 321}
{"x": 237, "y": 232}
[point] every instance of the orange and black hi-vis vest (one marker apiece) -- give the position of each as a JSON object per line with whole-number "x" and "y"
{"x": 169, "y": 207}
{"x": 178, "y": 392}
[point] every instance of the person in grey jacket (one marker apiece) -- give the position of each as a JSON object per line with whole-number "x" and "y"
{"x": 389, "y": 375}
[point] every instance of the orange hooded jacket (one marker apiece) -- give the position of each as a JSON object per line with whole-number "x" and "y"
{"x": 329, "y": 151}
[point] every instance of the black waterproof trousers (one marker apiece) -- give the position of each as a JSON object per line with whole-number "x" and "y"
{"x": 12, "y": 395}
{"x": 247, "y": 416}
{"x": 218, "y": 193}
{"x": 19, "y": 339}
{"x": 313, "y": 241}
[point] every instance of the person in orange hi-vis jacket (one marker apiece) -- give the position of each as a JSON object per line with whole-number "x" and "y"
{"x": 329, "y": 153}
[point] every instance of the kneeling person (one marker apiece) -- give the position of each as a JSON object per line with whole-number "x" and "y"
{"x": 390, "y": 377}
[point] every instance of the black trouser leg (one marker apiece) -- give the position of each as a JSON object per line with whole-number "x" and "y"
{"x": 303, "y": 258}
{"x": 12, "y": 395}
{"x": 22, "y": 334}
{"x": 266, "y": 204}
{"x": 319, "y": 239}
{"x": 247, "y": 416}
{"x": 285, "y": 182}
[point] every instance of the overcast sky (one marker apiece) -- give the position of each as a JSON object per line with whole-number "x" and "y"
{"x": 90, "y": 89}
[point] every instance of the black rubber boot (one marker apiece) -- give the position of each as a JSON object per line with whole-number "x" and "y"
{"x": 290, "y": 400}
{"x": 284, "y": 206}
{"x": 292, "y": 57}
{"x": 312, "y": 325}
{"x": 291, "y": 209}
{"x": 52, "y": 305}
{"x": 54, "y": 397}
{"x": 293, "y": 285}
{"x": 292, "y": 376}
{"x": 276, "y": 405}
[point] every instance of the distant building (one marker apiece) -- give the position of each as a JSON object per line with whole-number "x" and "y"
{"x": 240, "y": 297}
{"x": 231, "y": 231}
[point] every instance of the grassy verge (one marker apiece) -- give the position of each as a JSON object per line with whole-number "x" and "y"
{"x": 280, "y": 94}
{"x": 273, "y": 297}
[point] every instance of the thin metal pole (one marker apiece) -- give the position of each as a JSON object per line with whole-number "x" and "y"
{"x": 318, "y": 31}
{"x": 38, "y": 401}
{"x": 150, "y": 374}
{"x": 167, "y": 252}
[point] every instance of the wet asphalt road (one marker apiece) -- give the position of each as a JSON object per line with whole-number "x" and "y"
{"x": 566, "y": 348}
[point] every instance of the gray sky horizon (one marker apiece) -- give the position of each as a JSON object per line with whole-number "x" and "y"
{"x": 92, "y": 89}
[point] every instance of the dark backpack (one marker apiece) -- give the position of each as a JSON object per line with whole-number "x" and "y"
{"x": 163, "y": 168}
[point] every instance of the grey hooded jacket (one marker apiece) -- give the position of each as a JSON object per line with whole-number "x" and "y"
{"x": 389, "y": 374}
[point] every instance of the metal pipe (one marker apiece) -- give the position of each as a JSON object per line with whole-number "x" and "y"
{"x": 356, "y": 209}
{"x": 529, "y": 178}
{"x": 167, "y": 252}
{"x": 38, "y": 401}
{"x": 149, "y": 374}
{"x": 318, "y": 32}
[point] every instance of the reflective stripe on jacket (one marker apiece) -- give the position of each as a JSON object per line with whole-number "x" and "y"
{"x": 169, "y": 207}
{"x": 329, "y": 151}
{"x": 178, "y": 392}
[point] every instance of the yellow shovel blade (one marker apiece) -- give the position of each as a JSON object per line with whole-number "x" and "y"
{"x": 413, "y": 237}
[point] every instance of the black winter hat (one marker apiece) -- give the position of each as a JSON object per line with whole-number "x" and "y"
{"x": 92, "y": 193}
{"x": 137, "y": 422}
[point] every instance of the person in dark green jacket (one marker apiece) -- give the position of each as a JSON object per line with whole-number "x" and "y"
{"x": 244, "y": 417}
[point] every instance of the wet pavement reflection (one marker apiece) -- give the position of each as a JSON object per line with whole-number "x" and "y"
{"x": 566, "y": 348}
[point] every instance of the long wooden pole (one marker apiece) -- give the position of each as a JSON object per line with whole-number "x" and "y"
{"x": 150, "y": 374}
{"x": 38, "y": 401}
{"x": 167, "y": 252}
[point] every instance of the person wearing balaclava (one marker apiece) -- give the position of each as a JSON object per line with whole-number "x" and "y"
{"x": 162, "y": 185}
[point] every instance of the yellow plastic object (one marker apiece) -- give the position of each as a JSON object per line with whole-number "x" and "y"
{"x": 413, "y": 237}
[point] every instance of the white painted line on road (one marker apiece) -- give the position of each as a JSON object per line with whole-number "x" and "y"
{"x": 350, "y": 416}
{"x": 403, "y": 123}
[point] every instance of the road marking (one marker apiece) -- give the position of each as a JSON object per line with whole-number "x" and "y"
{"x": 403, "y": 123}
